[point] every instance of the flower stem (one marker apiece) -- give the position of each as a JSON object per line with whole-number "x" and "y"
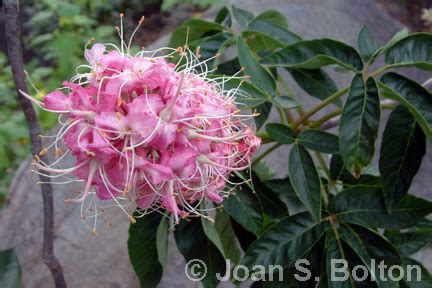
{"x": 281, "y": 115}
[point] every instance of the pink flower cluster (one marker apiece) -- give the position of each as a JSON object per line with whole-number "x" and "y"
{"x": 149, "y": 132}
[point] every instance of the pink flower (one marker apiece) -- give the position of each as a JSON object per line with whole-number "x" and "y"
{"x": 57, "y": 101}
{"x": 148, "y": 133}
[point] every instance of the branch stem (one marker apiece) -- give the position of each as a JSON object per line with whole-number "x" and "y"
{"x": 13, "y": 40}
{"x": 318, "y": 107}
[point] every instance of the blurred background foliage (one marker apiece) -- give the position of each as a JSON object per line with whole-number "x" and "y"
{"x": 54, "y": 36}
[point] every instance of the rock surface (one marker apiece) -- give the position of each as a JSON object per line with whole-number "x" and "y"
{"x": 102, "y": 261}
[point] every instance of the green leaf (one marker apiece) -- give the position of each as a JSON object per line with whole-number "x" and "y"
{"x": 263, "y": 171}
{"x": 285, "y": 191}
{"x": 312, "y": 54}
{"x": 259, "y": 42}
{"x": 413, "y": 50}
{"x": 210, "y": 46}
{"x": 402, "y": 149}
{"x": 272, "y": 16}
{"x": 250, "y": 95}
{"x": 364, "y": 205}
{"x": 409, "y": 266}
{"x": 285, "y": 102}
{"x": 244, "y": 208}
{"x": 274, "y": 31}
{"x": 227, "y": 236}
{"x": 338, "y": 170}
{"x": 318, "y": 140}
{"x": 335, "y": 250}
{"x": 396, "y": 38}
{"x": 359, "y": 124}
{"x": 212, "y": 234}
{"x": 143, "y": 251}
{"x": 370, "y": 246}
{"x": 316, "y": 82}
{"x": 264, "y": 112}
{"x": 242, "y": 16}
{"x": 10, "y": 270}
{"x": 272, "y": 206}
{"x": 162, "y": 241}
{"x": 229, "y": 67}
{"x": 223, "y": 17}
{"x": 285, "y": 242}
{"x": 412, "y": 95}
{"x": 193, "y": 244}
{"x": 305, "y": 180}
{"x": 410, "y": 242}
{"x": 197, "y": 28}
{"x": 367, "y": 44}
{"x": 259, "y": 75}
{"x": 281, "y": 133}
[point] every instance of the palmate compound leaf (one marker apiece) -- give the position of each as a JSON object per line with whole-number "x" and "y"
{"x": 285, "y": 242}
{"x": 146, "y": 252}
{"x": 402, "y": 149}
{"x": 266, "y": 35}
{"x": 364, "y": 205}
{"x": 359, "y": 123}
{"x": 412, "y": 95}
